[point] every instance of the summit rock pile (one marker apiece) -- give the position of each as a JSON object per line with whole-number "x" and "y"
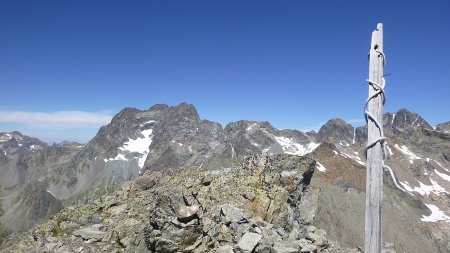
{"x": 259, "y": 206}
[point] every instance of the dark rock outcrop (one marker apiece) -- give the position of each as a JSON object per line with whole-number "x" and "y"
{"x": 336, "y": 130}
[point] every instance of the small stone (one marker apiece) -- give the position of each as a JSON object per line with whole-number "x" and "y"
{"x": 309, "y": 248}
{"x": 311, "y": 229}
{"x": 263, "y": 247}
{"x": 285, "y": 247}
{"x": 115, "y": 210}
{"x": 225, "y": 234}
{"x": 303, "y": 242}
{"x": 96, "y": 219}
{"x": 225, "y": 249}
{"x": 206, "y": 180}
{"x": 317, "y": 239}
{"x": 258, "y": 230}
{"x": 231, "y": 214}
{"x": 248, "y": 241}
{"x": 187, "y": 213}
{"x": 89, "y": 234}
{"x": 321, "y": 232}
{"x": 166, "y": 245}
{"x": 195, "y": 245}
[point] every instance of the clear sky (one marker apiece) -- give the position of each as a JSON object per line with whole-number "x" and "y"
{"x": 67, "y": 66}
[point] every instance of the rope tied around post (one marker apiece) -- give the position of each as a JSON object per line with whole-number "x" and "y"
{"x": 380, "y": 91}
{"x": 368, "y": 116}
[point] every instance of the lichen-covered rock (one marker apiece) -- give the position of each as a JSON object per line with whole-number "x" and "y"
{"x": 187, "y": 213}
{"x": 229, "y": 214}
{"x": 89, "y": 233}
{"x": 248, "y": 242}
{"x": 255, "y": 207}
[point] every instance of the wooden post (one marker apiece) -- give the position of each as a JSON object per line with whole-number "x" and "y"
{"x": 374, "y": 181}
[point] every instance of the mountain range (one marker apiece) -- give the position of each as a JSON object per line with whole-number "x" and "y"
{"x": 315, "y": 179}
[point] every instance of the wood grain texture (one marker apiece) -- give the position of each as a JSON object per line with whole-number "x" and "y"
{"x": 374, "y": 181}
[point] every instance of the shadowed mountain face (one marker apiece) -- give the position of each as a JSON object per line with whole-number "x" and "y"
{"x": 167, "y": 139}
{"x": 336, "y": 130}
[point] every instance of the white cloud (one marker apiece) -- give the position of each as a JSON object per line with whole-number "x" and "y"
{"x": 55, "y": 120}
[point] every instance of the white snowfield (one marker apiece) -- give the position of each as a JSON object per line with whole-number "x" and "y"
{"x": 436, "y": 215}
{"x": 404, "y": 149}
{"x": 355, "y": 157}
{"x": 424, "y": 189}
{"x": 139, "y": 145}
{"x": 443, "y": 175}
{"x": 389, "y": 150}
{"x": 148, "y": 122}
{"x": 440, "y": 165}
{"x": 320, "y": 167}
{"x": 249, "y": 128}
{"x": 5, "y": 137}
{"x": 292, "y": 148}
{"x": 34, "y": 147}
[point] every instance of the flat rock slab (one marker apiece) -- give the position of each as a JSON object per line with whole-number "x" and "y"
{"x": 285, "y": 247}
{"x": 89, "y": 233}
{"x": 231, "y": 214}
{"x": 248, "y": 241}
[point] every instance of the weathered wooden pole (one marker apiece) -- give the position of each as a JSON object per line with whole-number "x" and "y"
{"x": 374, "y": 114}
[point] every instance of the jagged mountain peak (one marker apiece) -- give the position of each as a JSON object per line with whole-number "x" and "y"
{"x": 159, "y": 107}
{"x": 337, "y": 131}
{"x": 248, "y": 125}
{"x": 17, "y": 143}
{"x": 125, "y": 113}
{"x": 167, "y": 138}
{"x": 405, "y": 121}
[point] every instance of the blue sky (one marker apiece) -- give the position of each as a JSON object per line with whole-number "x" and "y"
{"x": 67, "y": 66}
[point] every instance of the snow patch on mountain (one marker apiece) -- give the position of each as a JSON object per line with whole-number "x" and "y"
{"x": 148, "y": 122}
{"x": 404, "y": 149}
{"x": 436, "y": 215}
{"x": 443, "y": 175}
{"x": 5, "y": 137}
{"x": 389, "y": 150}
{"x": 320, "y": 167}
{"x": 355, "y": 157}
{"x": 424, "y": 189}
{"x": 138, "y": 145}
{"x": 440, "y": 165}
{"x": 293, "y": 148}
{"x": 249, "y": 128}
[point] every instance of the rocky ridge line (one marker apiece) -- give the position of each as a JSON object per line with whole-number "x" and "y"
{"x": 260, "y": 206}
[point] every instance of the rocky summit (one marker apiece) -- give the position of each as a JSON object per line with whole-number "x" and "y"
{"x": 259, "y": 206}
{"x": 165, "y": 180}
{"x": 16, "y": 143}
